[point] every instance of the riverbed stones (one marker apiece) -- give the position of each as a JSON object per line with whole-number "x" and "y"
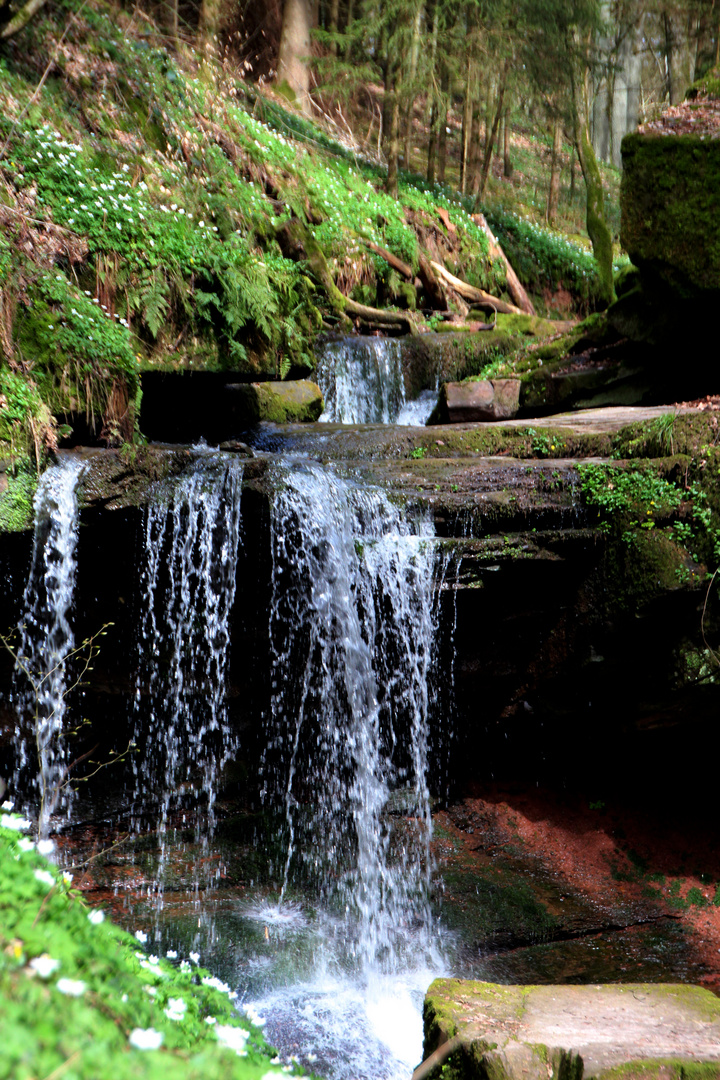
{"x": 633, "y": 1030}
{"x": 477, "y": 400}
{"x": 297, "y": 402}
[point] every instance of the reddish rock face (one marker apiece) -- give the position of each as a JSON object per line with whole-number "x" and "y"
{"x": 486, "y": 399}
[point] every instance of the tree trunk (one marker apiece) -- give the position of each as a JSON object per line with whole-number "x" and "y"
{"x": 293, "y": 67}
{"x": 507, "y": 161}
{"x": 554, "y": 189}
{"x": 432, "y": 144}
{"x": 391, "y": 135}
{"x": 410, "y": 94}
{"x": 466, "y": 127}
{"x": 333, "y": 24}
{"x": 443, "y": 118}
{"x": 595, "y": 207}
{"x": 493, "y": 132}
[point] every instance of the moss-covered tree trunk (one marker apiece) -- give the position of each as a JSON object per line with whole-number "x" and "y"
{"x": 554, "y": 186}
{"x": 596, "y": 224}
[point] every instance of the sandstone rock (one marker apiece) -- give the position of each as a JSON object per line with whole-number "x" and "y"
{"x": 484, "y": 399}
{"x": 532, "y": 1032}
{"x": 295, "y": 402}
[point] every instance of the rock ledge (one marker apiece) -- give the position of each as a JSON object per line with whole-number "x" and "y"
{"x": 654, "y": 1031}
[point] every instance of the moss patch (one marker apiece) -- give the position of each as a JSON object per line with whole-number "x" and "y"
{"x": 669, "y": 197}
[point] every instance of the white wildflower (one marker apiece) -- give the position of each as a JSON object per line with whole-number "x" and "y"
{"x": 25, "y": 844}
{"x": 71, "y": 987}
{"x": 96, "y": 917}
{"x": 44, "y": 965}
{"x": 233, "y": 1037}
{"x": 195, "y": 957}
{"x": 141, "y": 936}
{"x": 14, "y": 822}
{"x": 210, "y": 1020}
{"x": 176, "y": 1009}
{"x": 171, "y": 954}
{"x": 46, "y": 847}
{"x": 44, "y": 877}
{"x": 146, "y": 1039}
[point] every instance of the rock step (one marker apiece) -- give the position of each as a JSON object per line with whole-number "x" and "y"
{"x": 653, "y": 1031}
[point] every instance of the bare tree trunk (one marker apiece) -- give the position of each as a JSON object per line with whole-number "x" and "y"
{"x": 333, "y": 24}
{"x": 432, "y": 144}
{"x": 293, "y": 67}
{"x": 493, "y": 132}
{"x": 391, "y": 135}
{"x": 554, "y": 188}
{"x": 412, "y": 75}
{"x": 442, "y": 135}
{"x": 467, "y": 126}
{"x": 507, "y": 160}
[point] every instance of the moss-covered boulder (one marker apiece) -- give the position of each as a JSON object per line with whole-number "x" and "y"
{"x": 480, "y": 1030}
{"x": 296, "y": 402}
{"x": 669, "y": 204}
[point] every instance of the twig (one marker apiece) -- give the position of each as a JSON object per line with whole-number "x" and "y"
{"x": 712, "y": 652}
{"x": 97, "y": 855}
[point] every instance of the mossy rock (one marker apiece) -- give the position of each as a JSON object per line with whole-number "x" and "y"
{"x": 296, "y": 402}
{"x": 669, "y": 198}
{"x": 496, "y": 1032}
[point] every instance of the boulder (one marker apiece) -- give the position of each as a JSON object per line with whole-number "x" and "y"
{"x": 669, "y": 198}
{"x": 297, "y": 402}
{"x": 653, "y": 1031}
{"x": 477, "y": 399}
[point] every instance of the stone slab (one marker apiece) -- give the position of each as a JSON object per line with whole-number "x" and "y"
{"x": 509, "y": 1031}
{"x": 479, "y": 399}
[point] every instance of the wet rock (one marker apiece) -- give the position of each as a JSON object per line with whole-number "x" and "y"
{"x": 481, "y": 400}
{"x": 235, "y": 446}
{"x": 519, "y": 1032}
{"x": 297, "y": 402}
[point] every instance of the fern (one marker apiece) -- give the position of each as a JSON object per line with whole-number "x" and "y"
{"x": 149, "y": 296}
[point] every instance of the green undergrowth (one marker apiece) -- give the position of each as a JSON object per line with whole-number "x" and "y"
{"x": 80, "y": 998}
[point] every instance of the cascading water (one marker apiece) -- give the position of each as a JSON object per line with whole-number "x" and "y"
{"x": 46, "y": 642}
{"x": 352, "y": 626}
{"x": 188, "y": 588}
{"x": 362, "y": 382}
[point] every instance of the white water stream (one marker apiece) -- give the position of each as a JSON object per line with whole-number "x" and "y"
{"x": 46, "y": 641}
{"x": 362, "y": 382}
{"x": 352, "y": 625}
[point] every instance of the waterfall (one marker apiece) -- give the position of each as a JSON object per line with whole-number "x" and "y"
{"x": 363, "y": 383}
{"x": 188, "y": 589}
{"x": 46, "y": 642}
{"x": 353, "y": 621}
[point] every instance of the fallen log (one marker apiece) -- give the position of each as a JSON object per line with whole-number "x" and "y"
{"x": 392, "y": 260}
{"x": 475, "y": 296}
{"x": 515, "y": 289}
{"x": 296, "y": 243}
{"x": 431, "y": 286}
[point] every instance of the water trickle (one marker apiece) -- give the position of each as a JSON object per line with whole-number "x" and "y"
{"x": 188, "y": 589}
{"x": 362, "y": 382}
{"x": 46, "y": 642}
{"x": 352, "y": 626}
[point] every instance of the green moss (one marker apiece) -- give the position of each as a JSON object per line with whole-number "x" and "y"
{"x": 669, "y": 197}
{"x": 17, "y": 488}
{"x": 662, "y": 1069}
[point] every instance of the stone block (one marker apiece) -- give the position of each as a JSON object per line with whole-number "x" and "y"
{"x": 295, "y": 402}
{"x": 657, "y": 1031}
{"x": 478, "y": 400}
